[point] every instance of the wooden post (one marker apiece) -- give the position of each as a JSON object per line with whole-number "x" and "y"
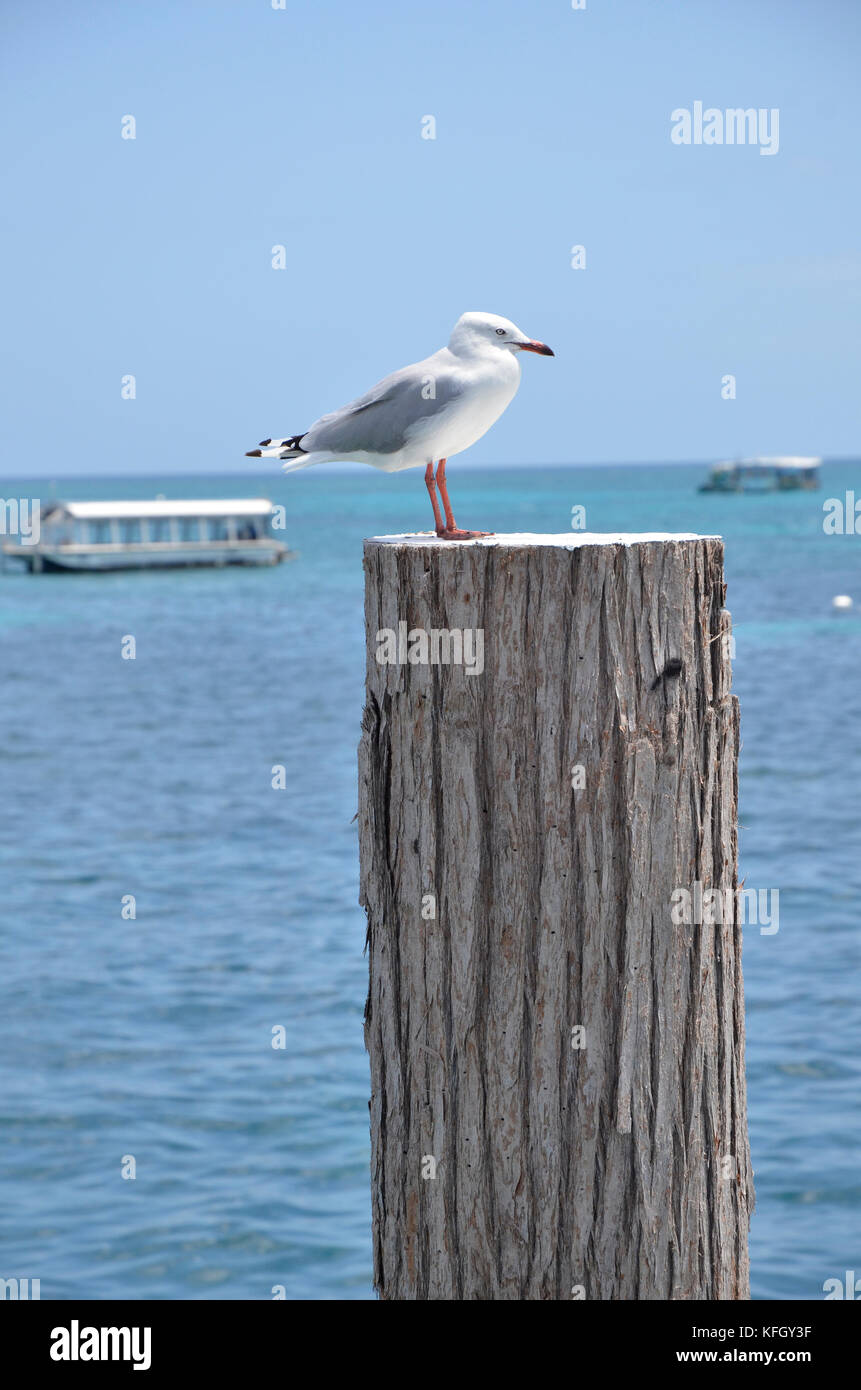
{"x": 557, "y": 1056}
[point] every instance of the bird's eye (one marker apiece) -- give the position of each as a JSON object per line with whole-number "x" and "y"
{"x": 501, "y": 330}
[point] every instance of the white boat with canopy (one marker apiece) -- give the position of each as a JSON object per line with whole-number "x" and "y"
{"x": 778, "y": 473}
{"x": 97, "y": 536}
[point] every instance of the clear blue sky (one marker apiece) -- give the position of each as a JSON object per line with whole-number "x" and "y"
{"x": 302, "y": 127}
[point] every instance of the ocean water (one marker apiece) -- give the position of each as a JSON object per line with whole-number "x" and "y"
{"x": 151, "y": 1038}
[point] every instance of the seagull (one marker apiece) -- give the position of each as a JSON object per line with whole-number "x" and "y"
{"x": 422, "y": 414}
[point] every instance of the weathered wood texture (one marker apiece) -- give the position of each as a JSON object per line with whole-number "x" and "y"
{"x": 615, "y": 1170}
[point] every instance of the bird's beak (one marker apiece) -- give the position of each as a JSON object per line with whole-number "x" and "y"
{"x": 532, "y": 345}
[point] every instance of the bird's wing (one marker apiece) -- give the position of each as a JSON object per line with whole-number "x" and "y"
{"x": 381, "y": 421}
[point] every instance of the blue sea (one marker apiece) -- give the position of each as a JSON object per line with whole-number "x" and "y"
{"x": 150, "y": 1040}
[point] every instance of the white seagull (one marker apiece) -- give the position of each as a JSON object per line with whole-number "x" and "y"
{"x": 423, "y": 413}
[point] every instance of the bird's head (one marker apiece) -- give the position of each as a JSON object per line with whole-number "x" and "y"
{"x": 476, "y": 332}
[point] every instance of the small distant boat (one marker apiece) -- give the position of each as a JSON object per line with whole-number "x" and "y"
{"x": 100, "y": 536}
{"x": 777, "y": 474}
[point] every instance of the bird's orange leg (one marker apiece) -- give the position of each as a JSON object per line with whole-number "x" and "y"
{"x": 430, "y": 484}
{"x": 451, "y": 532}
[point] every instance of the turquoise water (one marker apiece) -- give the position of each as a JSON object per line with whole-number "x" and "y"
{"x": 152, "y": 1037}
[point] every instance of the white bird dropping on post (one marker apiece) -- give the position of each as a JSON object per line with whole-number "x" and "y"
{"x": 424, "y": 413}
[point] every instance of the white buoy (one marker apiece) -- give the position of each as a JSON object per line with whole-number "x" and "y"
{"x": 841, "y": 603}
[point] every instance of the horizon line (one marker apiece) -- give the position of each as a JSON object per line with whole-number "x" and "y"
{"x": 346, "y": 467}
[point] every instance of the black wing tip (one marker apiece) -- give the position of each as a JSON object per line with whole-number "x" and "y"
{"x": 292, "y": 447}
{"x": 289, "y": 446}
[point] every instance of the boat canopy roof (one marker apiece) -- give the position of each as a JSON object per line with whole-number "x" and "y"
{"x": 762, "y": 461}
{"x": 201, "y": 506}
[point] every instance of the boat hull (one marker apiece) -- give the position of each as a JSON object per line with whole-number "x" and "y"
{"x": 80, "y": 559}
